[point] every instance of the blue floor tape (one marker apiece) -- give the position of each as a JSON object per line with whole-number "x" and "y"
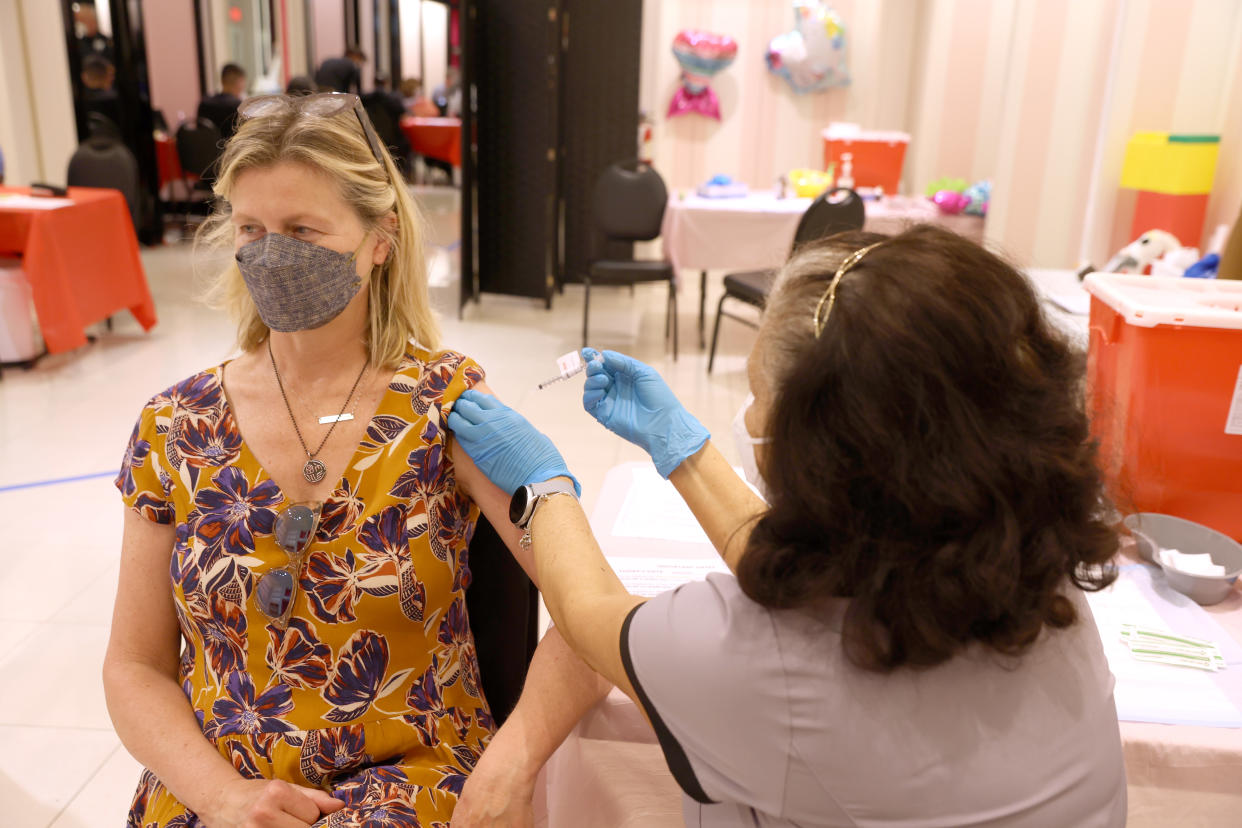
{"x": 56, "y": 481}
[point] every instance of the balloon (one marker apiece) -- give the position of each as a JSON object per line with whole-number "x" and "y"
{"x": 957, "y": 185}
{"x": 951, "y": 202}
{"x": 701, "y": 55}
{"x": 812, "y": 56}
{"x": 980, "y": 194}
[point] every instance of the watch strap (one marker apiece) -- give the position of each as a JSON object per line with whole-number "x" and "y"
{"x": 553, "y": 486}
{"x": 535, "y": 503}
{"x": 537, "y": 492}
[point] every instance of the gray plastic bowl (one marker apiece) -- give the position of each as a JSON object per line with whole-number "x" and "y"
{"x": 1167, "y": 532}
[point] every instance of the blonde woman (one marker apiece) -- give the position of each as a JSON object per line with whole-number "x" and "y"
{"x": 290, "y": 643}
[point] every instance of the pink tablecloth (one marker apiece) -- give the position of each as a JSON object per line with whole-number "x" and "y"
{"x": 756, "y": 232}
{"x": 610, "y": 771}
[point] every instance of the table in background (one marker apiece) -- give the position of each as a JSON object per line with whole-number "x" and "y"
{"x": 438, "y": 138}
{"x": 610, "y": 771}
{"x": 756, "y": 231}
{"x": 81, "y": 257}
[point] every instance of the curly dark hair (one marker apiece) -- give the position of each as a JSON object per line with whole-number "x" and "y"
{"x": 930, "y": 458}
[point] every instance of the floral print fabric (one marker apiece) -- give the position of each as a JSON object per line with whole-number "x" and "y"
{"x": 372, "y": 691}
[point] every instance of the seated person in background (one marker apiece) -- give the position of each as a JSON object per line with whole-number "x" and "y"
{"x": 221, "y": 108}
{"x": 386, "y": 108}
{"x": 98, "y": 76}
{"x": 301, "y": 85}
{"x": 90, "y": 40}
{"x": 342, "y": 74}
{"x": 415, "y": 102}
{"x": 447, "y": 96}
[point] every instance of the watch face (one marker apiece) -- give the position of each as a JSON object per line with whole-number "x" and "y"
{"x": 517, "y": 505}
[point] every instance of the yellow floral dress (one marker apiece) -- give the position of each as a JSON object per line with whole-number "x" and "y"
{"x": 372, "y": 691}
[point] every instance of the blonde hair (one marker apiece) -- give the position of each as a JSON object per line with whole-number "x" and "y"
{"x": 337, "y": 147}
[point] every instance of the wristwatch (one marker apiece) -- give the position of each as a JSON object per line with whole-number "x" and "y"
{"x": 527, "y": 498}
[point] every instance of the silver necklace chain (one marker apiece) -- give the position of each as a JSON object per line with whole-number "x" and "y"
{"x": 314, "y": 470}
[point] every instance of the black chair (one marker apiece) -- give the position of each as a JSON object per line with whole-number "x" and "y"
{"x": 385, "y": 114}
{"x": 198, "y": 150}
{"x": 221, "y": 110}
{"x": 99, "y": 125}
{"x": 835, "y": 211}
{"x": 103, "y": 161}
{"x": 102, "y": 102}
{"x": 503, "y": 607}
{"x": 628, "y": 206}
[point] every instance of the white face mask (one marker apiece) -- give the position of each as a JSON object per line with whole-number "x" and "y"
{"x": 746, "y": 447}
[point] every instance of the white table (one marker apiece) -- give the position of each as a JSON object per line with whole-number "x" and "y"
{"x": 610, "y": 771}
{"x": 756, "y": 232}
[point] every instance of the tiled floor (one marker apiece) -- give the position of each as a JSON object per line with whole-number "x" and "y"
{"x": 61, "y": 765}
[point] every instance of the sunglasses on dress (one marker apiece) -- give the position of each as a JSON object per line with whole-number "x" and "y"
{"x": 294, "y": 529}
{"x": 321, "y": 105}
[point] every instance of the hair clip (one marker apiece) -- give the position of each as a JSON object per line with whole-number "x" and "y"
{"x": 830, "y": 295}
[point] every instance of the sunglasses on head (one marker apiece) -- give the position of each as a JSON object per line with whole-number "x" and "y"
{"x": 295, "y": 528}
{"x": 321, "y": 105}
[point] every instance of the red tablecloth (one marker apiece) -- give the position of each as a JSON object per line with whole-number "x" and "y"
{"x": 166, "y": 160}
{"x": 81, "y": 259}
{"x": 438, "y": 138}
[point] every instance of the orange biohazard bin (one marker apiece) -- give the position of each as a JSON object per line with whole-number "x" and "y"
{"x": 1164, "y": 384}
{"x": 877, "y": 156}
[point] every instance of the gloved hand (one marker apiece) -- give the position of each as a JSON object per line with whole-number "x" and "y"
{"x": 503, "y": 444}
{"x": 632, "y": 401}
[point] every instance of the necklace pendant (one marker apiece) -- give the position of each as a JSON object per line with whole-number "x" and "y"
{"x": 335, "y": 418}
{"x": 314, "y": 471}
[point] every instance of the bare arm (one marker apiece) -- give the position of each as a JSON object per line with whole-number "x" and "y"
{"x": 500, "y": 789}
{"x": 560, "y": 688}
{"x": 150, "y": 712}
{"x": 152, "y": 715}
{"x": 584, "y": 596}
{"x": 721, "y": 501}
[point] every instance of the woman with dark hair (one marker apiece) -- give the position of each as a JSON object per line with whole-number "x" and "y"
{"x": 904, "y": 638}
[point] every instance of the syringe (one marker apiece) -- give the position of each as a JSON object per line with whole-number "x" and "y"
{"x": 569, "y": 365}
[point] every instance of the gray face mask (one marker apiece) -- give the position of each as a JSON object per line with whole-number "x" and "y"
{"x": 296, "y": 285}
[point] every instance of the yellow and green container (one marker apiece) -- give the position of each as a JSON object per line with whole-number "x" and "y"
{"x": 1173, "y": 174}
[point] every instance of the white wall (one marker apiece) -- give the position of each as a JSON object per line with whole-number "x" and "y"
{"x": 411, "y": 36}
{"x": 295, "y": 22}
{"x": 172, "y": 59}
{"x": 435, "y": 42}
{"x": 765, "y": 129}
{"x": 37, "y": 130}
{"x": 1040, "y": 96}
{"x": 366, "y": 42}
{"x": 1225, "y": 206}
{"x": 327, "y": 30}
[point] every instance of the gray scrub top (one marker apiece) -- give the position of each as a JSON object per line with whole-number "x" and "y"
{"x": 764, "y": 722}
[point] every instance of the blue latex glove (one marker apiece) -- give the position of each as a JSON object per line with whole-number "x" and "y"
{"x": 1205, "y": 268}
{"x": 503, "y": 444}
{"x": 632, "y": 401}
